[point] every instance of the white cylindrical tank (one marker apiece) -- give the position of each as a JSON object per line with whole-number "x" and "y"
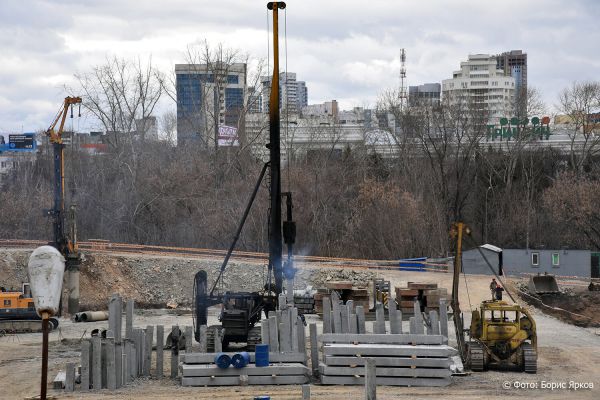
{"x": 45, "y": 270}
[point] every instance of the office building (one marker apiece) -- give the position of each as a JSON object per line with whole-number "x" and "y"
{"x": 208, "y": 96}
{"x": 254, "y": 101}
{"x": 425, "y": 94}
{"x": 481, "y": 88}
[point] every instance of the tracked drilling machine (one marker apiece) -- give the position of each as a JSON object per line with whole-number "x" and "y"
{"x": 64, "y": 242}
{"x": 17, "y": 310}
{"x": 242, "y": 310}
{"x": 500, "y": 334}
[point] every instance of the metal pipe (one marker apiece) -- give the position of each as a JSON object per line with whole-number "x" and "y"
{"x": 92, "y": 316}
{"x": 240, "y": 226}
{"x": 45, "y": 329}
{"x": 458, "y": 230}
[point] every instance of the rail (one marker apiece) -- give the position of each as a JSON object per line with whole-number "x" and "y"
{"x": 104, "y": 246}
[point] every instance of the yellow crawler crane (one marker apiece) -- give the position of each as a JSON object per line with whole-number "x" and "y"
{"x": 500, "y": 334}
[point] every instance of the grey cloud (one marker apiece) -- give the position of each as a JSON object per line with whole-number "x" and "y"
{"x": 331, "y": 43}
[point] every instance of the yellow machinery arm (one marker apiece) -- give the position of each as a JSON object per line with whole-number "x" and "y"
{"x": 56, "y": 135}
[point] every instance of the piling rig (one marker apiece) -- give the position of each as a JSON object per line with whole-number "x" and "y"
{"x": 242, "y": 310}
{"x": 65, "y": 242}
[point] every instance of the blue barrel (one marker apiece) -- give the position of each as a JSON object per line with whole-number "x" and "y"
{"x": 240, "y": 360}
{"x": 222, "y": 360}
{"x": 262, "y": 355}
{"x": 262, "y": 397}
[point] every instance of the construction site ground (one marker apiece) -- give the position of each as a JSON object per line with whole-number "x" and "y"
{"x": 568, "y": 354}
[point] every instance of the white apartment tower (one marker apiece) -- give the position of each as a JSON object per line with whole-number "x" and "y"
{"x": 293, "y": 94}
{"x": 480, "y": 84}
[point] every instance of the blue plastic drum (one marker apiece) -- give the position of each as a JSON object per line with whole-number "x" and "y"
{"x": 262, "y": 355}
{"x": 240, "y": 360}
{"x": 222, "y": 360}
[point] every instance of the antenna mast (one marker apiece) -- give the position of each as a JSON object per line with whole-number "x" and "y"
{"x": 402, "y": 93}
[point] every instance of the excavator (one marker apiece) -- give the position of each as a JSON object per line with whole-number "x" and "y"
{"x": 501, "y": 335}
{"x": 17, "y": 312}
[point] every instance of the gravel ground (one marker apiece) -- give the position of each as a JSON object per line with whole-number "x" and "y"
{"x": 567, "y": 353}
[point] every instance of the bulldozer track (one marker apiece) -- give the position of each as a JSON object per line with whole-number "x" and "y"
{"x": 477, "y": 356}
{"x": 529, "y": 359}
{"x": 104, "y": 246}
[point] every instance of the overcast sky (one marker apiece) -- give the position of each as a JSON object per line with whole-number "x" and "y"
{"x": 345, "y": 50}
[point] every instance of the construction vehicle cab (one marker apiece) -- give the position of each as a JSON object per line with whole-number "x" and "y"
{"x": 502, "y": 334}
{"x": 17, "y": 311}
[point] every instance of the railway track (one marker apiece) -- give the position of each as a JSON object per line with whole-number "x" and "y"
{"x": 104, "y": 246}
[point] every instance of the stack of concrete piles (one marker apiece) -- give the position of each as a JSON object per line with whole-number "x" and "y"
{"x": 285, "y": 334}
{"x": 345, "y": 291}
{"x": 428, "y": 294}
{"x": 413, "y": 355}
{"x": 118, "y": 359}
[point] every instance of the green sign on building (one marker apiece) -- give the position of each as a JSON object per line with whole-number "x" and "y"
{"x": 516, "y": 128}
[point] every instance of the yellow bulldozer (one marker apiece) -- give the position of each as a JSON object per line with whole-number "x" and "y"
{"x": 501, "y": 334}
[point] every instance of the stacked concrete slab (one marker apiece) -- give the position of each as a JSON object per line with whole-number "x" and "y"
{"x": 428, "y": 295}
{"x": 199, "y": 369}
{"x": 305, "y": 303}
{"x": 413, "y": 355}
{"x": 285, "y": 334}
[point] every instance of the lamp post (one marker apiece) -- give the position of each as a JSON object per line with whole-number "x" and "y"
{"x": 45, "y": 269}
{"x": 486, "y": 214}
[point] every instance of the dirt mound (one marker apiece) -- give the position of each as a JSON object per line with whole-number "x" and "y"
{"x": 584, "y": 306}
{"x": 154, "y": 281}
{"x": 576, "y": 306}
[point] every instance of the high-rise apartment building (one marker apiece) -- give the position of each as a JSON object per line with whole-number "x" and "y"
{"x": 293, "y": 94}
{"x": 514, "y": 63}
{"x": 208, "y": 96}
{"x": 481, "y": 86}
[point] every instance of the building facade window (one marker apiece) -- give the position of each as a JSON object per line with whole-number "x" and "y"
{"x": 555, "y": 259}
{"x": 535, "y": 259}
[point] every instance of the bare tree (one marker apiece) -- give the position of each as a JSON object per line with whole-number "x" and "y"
{"x": 120, "y": 92}
{"x": 573, "y": 203}
{"x": 579, "y": 102}
{"x": 168, "y": 125}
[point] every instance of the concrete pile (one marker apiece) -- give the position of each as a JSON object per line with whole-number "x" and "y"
{"x": 124, "y": 354}
{"x": 417, "y": 356}
{"x": 285, "y": 335}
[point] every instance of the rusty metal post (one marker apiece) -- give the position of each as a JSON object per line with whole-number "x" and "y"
{"x": 44, "y": 383}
